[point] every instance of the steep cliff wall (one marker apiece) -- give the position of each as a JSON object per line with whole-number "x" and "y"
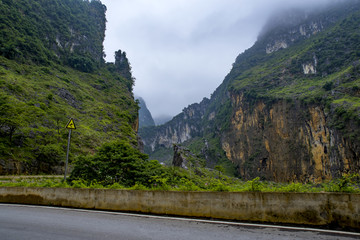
{"x": 181, "y": 128}
{"x": 295, "y": 107}
{"x": 289, "y": 110}
{"x": 287, "y": 141}
{"x": 145, "y": 117}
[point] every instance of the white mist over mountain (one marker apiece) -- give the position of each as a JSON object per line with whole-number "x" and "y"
{"x": 180, "y": 51}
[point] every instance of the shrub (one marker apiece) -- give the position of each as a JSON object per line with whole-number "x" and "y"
{"x": 115, "y": 162}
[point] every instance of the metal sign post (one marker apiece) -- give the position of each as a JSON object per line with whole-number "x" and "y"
{"x": 70, "y": 126}
{"x": 67, "y": 155}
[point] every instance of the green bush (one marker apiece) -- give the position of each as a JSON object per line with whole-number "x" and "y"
{"x": 255, "y": 184}
{"x": 115, "y": 162}
{"x": 80, "y": 63}
{"x": 177, "y": 179}
{"x": 50, "y": 154}
{"x": 346, "y": 183}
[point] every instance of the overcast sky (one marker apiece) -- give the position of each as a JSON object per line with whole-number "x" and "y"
{"x": 181, "y": 50}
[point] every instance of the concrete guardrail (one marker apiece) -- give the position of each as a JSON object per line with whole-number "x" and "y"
{"x": 336, "y": 210}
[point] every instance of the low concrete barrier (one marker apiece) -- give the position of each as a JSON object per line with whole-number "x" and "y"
{"x": 336, "y": 210}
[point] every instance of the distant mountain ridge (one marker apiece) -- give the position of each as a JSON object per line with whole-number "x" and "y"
{"x": 289, "y": 108}
{"x": 160, "y": 120}
{"x": 145, "y": 117}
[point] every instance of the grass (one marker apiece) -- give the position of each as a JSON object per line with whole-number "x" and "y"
{"x": 40, "y": 100}
{"x": 354, "y": 102}
{"x": 346, "y": 184}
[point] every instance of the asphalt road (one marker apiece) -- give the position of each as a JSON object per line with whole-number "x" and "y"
{"x": 32, "y": 222}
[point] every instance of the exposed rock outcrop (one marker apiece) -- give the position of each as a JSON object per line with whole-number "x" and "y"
{"x": 184, "y": 158}
{"x": 287, "y": 142}
{"x": 145, "y": 118}
{"x": 288, "y": 109}
{"x": 122, "y": 64}
{"x": 182, "y": 128}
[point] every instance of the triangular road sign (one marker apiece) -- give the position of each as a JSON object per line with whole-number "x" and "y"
{"x": 71, "y": 124}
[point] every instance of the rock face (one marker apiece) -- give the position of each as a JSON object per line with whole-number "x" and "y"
{"x": 288, "y": 110}
{"x": 292, "y": 26}
{"x": 184, "y": 158}
{"x": 180, "y": 129}
{"x": 122, "y": 65}
{"x": 287, "y": 142}
{"x": 145, "y": 118}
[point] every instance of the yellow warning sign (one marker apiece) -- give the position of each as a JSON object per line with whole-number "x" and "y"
{"x": 71, "y": 124}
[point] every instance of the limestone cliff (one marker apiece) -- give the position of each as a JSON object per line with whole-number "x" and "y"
{"x": 287, "y": 141}
{"x": 145, "y": 117}
{"x": 181, "y": 128}
{"x": 289, "y": 108}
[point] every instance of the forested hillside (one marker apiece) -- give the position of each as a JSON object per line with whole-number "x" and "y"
{"x": 289, "y": 110}
{"x": 52, "y": 69}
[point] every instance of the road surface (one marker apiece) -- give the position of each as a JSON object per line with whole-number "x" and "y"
{"x": 36, "y": 222}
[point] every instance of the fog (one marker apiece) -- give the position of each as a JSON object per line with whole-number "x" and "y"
{"x": 181, "y": 50}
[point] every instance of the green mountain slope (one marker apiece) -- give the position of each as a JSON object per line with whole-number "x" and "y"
{"x": 319, "y": 69}
{"x": 288, "y": 109}
{"x": 67, "y": 32}
{"x": 52, "y": 69}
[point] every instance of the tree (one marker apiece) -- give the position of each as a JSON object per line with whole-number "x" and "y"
{"x": 220, "y": 169}
{"x": 9, "y": 118}
{"x": 116, "y": 161}
{"x": 48, "y": 156}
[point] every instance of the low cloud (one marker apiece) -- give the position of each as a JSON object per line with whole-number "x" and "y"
{"x": 180, "y": 51}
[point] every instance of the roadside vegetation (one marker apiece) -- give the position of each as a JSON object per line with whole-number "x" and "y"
{"x": 117, "y": 165}
{"x": 52, "y": 68}
{"x": 191, "y": 182}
